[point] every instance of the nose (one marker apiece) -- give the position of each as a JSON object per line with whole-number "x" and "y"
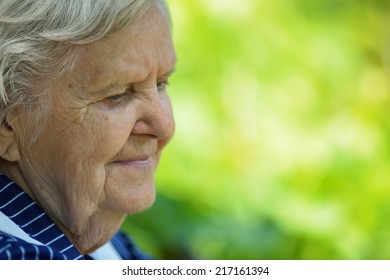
{"x": 155, "y": 117}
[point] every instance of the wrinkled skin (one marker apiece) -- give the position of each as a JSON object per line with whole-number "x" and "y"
{"x": 111, "y": 117}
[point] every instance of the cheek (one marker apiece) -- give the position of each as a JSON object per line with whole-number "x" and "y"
{"x": 79, "y": 156}
{"x": 115, "y": 131}
{"x": 88, "y": 142}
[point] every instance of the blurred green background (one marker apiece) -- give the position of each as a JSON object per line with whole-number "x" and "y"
{"x": 282, "y": 146}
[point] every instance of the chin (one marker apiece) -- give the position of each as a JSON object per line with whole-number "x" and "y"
{"x": 142, "y": 204}
{"x": 135, "y": 200}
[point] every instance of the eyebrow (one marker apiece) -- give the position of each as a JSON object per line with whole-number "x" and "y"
{"x": 107, "y": 89}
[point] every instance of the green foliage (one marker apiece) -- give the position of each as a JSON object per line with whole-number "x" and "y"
{"x": 283, "y": 129}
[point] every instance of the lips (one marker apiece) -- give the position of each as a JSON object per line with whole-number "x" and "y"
{"x": 140, "y": 154}
{"x": 135, "y": 162}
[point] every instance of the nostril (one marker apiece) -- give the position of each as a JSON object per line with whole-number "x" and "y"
{"x": 158, "y": 124}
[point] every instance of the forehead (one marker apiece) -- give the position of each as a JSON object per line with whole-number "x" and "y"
{"x": 142, "y": 49}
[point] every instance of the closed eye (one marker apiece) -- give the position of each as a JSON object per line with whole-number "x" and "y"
{"x": 161, "y": 86}
{"x": 117, "y": 99}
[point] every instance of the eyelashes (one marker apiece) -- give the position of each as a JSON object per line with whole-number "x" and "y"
{"x": 161, "y": 86}
{"x": 127, "y": 95}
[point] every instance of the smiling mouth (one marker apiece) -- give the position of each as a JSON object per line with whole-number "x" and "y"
{"x": 141, "y": 162}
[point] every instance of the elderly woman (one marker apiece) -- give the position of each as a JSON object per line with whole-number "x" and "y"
{"x": 85, "y": 116}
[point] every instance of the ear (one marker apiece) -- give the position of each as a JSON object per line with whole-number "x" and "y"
{"x": 9, "y": 147}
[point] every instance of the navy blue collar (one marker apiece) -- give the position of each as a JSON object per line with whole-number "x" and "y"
{"x": 24, "y": 212}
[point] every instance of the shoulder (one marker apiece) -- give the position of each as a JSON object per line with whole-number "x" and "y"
{"x": 13, "y": 248}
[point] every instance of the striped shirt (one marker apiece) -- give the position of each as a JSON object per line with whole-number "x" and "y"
{"x": 27, "y": 233}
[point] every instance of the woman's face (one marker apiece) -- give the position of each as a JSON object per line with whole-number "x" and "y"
{"x": 110, "y": 119}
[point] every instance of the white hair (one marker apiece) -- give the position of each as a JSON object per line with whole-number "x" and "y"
{"x": 37, "y": 39}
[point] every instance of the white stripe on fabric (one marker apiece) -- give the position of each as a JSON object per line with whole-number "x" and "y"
{"x": 5, "y": 248}
{"x": 33, "y": 220}
{"x": 67, "y": 248}
{"x": 42, "y": 230}
{"x": 23, "y": 252}
{"x": 51, "y": 252}
{"x": 79, "y": 257}
{"x": 12, "y": 238}
{"x": 36, "y": 252}
{"x": 13, "y": 216}
{"x": 9, "y": 202}
{"x": 54, "y": 240}
{"x": 8, "y": 254}
{"x": 9, "y": 227}
{"x": 6, "y": 186}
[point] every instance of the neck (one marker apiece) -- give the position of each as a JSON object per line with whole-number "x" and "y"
{"x": 86, "y": 231}
{"x": 95, "y": 232}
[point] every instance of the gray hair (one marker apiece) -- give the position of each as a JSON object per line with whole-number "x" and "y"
{"x": 37, "y": 39}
